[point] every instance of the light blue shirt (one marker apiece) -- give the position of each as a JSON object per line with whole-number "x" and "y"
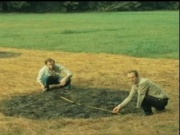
{"x": 46, "y": 72}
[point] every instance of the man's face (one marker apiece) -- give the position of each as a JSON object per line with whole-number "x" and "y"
{"x": 51, "y": 65}
{"x": 132, "y": 78}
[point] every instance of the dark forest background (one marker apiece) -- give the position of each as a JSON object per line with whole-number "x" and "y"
{"x": 84, "y": 6}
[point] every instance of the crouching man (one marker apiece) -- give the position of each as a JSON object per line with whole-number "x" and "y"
{"x": 50, "y": 77}
{"x": 149, "y": 94}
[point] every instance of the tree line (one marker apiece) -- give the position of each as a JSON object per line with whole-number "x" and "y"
{"x": 84, "y": 6}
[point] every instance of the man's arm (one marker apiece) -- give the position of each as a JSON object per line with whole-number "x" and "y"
{"x": 42, "y": 86}
{"x": 126, "y": 101}
{"x": 39, "y": 79}
{"x": 65, "y": 78}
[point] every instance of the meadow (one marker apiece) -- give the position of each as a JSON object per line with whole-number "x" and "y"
{"x": 140, "y": 34}
{"x": 99, "y": 48}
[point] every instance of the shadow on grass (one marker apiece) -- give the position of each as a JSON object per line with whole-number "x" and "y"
{"x": 85, "y": 31}
{"x": 4, "y": 54}
{"x": 50, "y": 105}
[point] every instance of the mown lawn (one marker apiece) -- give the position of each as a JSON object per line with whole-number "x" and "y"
{"x": 140, "y": 34}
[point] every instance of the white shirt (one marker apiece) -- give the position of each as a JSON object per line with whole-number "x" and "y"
{"x": 45, "y": 72}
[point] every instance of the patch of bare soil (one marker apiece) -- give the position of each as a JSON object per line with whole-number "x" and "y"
{"x": 4, "y": 54}
{"x": 75, "y": 103}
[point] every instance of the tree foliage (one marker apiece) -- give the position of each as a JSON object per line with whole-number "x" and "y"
{"x": 85, "y": 6}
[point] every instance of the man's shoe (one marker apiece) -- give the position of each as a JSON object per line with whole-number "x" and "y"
{"x": 67, "y": 87}
{"x": 148, "y": 113}
{"x": 159, "y": 111}
{"x": 54, "y": 86}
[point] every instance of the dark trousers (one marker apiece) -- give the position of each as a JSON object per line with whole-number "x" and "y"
{"x": 54, "y": 80}
{"x": 150, "y": 101}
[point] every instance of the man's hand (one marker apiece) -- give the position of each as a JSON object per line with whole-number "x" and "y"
{"x": 63, "y": 82}
{"x": 117, "y": 109}
{"x": 65, "y": 79}
{"x": 43, "y": 88}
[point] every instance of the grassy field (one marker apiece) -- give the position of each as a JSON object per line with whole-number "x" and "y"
{"x": 25, "y": 110}
{"x": 99, "y": 48}
{"x": 140, "y": 34}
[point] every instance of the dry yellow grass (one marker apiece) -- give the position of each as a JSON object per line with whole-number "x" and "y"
{"x": 18, "y": 75}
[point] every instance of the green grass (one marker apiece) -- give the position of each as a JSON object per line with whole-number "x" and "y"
{"x": 140, "y": 34}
